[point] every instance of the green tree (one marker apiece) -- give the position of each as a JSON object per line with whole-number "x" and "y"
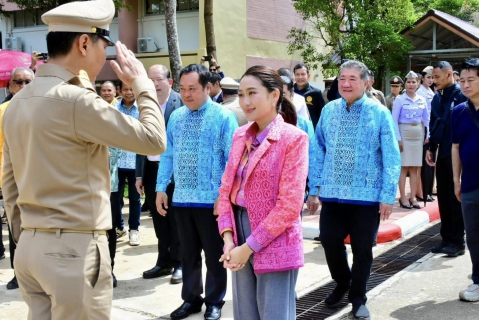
{"x": 364, "y": 30}
{"x": 462, "y": 9}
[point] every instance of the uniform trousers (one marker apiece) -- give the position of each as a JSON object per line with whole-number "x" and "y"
{"x": 198, "y": 230}
{"x": 452, "y": 222}
{"x": 360, "y": 222}
{"x": 64, "y": 275}
{"x": 267, "y": 296}
{"x": 470, "y": 210}
{"x": 165, "y": 226}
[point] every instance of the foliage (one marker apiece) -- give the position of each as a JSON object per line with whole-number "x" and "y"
{"x": 462, "y": 9}
{"x": 365, "y": 30}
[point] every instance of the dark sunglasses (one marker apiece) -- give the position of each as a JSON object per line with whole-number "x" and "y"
{"x": 211, "y": 70}
{"x": 20, "y": 82}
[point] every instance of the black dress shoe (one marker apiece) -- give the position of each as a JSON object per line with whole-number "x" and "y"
{"x": 212, "y": 313}
{"x": 157, "y": 272}
{"x": 438, "y": 248}
{"x": 317, "y": 239}
{"x": 418, "y": 198}
{"x": 177, "y": 276}
{"x": 430, "y": 199}
{"x": 2, "y": 256}
{"x": 13, "y": 284}
{"x": 453, "y": 250}
{"x": 335, "y": 297}
{"x": 404, "y": 206}
{"x": 115, "y": 283}
{"x": 185, "y": 310}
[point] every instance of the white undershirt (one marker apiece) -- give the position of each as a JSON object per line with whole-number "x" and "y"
{"x": 163, "y": 108}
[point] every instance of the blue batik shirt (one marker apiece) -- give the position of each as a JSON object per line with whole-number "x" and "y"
{"x": 313, "y": 177}
{"x": 198, "y": 147}
{"x": 128, "y": 159}
{"x": 358, "y": 160}
{"x": 115, "y": 154}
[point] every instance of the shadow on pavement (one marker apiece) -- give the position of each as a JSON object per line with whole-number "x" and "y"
{"x": 431, "y": 310}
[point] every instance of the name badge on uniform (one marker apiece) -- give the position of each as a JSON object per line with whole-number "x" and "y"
{"x": 309, "y": 100}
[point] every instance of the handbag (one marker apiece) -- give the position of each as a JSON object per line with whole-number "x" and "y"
{"x": 438, "y": 128}
{"x": 473, "y": 117}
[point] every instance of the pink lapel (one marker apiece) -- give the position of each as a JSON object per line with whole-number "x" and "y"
{"x": 273, "y": 135}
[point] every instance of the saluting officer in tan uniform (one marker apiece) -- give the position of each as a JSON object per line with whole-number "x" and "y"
{"x": 395, "y": 86}
{"x": 56, "y": 182}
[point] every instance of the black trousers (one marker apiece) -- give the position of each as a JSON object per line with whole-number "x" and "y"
{"x": 165, "y": 227}
{"x": 12, "y": 247}
{"x": 112, "y": 232}
{"x": 450, "y": 210}
{"x": 2, "y": 247}
{"x": 360, "y": 222}
{"x": 198, "y": 230}
{"x": 427, "y": 173}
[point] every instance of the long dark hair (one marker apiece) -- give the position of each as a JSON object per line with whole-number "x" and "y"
{"x": 271, "y": 80}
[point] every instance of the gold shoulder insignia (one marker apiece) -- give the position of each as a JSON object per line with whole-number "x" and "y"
{"x": 82, "y": 80}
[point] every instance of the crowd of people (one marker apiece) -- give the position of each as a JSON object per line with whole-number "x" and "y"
{"x": 225, "y": 168}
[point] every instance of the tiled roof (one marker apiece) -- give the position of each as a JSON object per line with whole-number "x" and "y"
{"x": 456, "y": 22}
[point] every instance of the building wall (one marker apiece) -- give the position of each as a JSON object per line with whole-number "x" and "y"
{"x": 237, "y": 49}
{"x": 271, "y": 19}
{"x": 187, "y": 25}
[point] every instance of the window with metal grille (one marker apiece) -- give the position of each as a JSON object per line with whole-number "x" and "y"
{"x": 27, "y": 18}
{"x": 153, "y": 7}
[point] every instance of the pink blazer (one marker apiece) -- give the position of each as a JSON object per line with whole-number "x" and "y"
{"x": 274, "y": 194}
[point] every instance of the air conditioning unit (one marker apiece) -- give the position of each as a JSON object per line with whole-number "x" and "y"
{"x": 14, "y": 44}
{"x": 146, "y": 45}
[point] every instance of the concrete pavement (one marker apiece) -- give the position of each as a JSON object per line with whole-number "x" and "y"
{"x": 137, "y": 298}
{"x": 427, "y": 290}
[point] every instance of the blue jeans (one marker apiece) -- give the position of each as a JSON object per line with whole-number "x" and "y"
{"x": 470, "y": 211}
{"x": 127, "y": 175}
{"x": 360, "y": 222}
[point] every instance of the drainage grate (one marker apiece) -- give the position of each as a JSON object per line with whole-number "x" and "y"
{"x": 311, "y": 306}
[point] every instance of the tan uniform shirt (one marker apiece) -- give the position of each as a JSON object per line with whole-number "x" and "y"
{"x": 233, "y": 105}
{"x": 56, "y": 168}
{"x": 378, "y": 95}
{"x": 390, "y": 101}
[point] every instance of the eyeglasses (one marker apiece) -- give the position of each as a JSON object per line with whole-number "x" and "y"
{"x": 20, "y": 82}
{"x": 212, "y": 70}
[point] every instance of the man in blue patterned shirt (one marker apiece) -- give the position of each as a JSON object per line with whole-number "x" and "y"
{"x": 199, "y": 141}
{"x": 126, "y": 173}
{"x": 359, "y": 166}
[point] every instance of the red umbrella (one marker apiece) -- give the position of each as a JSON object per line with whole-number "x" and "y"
{"x": 10, "y": 60}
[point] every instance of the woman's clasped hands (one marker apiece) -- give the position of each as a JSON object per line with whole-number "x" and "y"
{"x": 235, "y": 258}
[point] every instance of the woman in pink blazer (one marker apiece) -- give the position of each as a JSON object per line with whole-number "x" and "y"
{"x": 261, "y": 197}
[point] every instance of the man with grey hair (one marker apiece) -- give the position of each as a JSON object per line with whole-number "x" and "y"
{"x": 450, "y": 210}
{"x": 168, "y": 261}
{"x": 20, "y": 77}
{"x": 359, "y": 167}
